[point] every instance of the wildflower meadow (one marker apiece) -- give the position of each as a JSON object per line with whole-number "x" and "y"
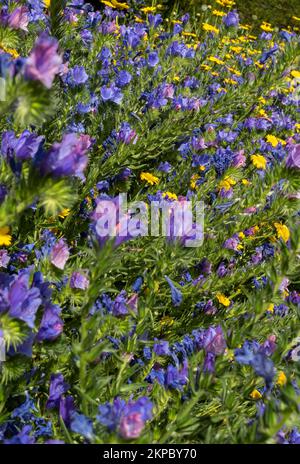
{"x": 149, "y": 225}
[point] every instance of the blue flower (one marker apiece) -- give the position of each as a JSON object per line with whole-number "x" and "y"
{"x": 175, "y": 293}
{"x": 153, "y": 59}
{"x": 57, "y": 388}
{"x": 82, "y": 425}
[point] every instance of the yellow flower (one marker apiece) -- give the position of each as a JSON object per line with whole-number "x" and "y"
{"x": 223, "y": 299}
{"x": 189, "y": 34}
{"x": 5, "y": 238}
{"x": 115, "y": 4}
{"x": 149, "y": 178}
{"x": 266, "y": 27}
{"x": 236, "y": 49}
{"x": 270, "y": 308}
{"x": 47, "y": 3}
{"x": 209, "y": 28}
{"x": 281, "y": 380}
{"x": 171, "y": 196}
{"x": 11, "y": 51}
{"x": 148, "y": 9}
{"x": 255, "y": 394}
{"x": 259, "y": 161}
{"x": 226, "y": 183}
{"x": 167, "y": 320}
{"x": 274, "y": 141}
{"x": 215, "y": 60}
{"x": 194, "y": 179}
{"x": 296, "y": 74}
{"x": 218, "y": 13}
{"x": 296, "y": 18}
{"x": 297, "y": 127}
{"x": 245, "y": 182}
{"x": 282, "y": 231}
{"x": 64, "y": 213}
{"x": 242, "y": 235}
{"x": 230, "y": 81}
{"x": 138, "y": 20}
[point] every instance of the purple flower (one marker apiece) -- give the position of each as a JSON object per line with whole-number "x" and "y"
{"x": 293, "y": 158}
{"x": 110, "y": 414}
{"x": 67, "y": 158}
{"x": 112, "y": 93}
{"x": 24, "y": 147}
{"x": 123, "y": 79}
{"x": 4, "y": 258}
{"x": 22, "y": 438}
{"x": 23, "y": 302}
{"x": 66, "y": 409}
{"x": 213, "y": 340}
{"x": 43, "y": 62}
{"x": 153, "y": 59}
{"x": 57, "y": 388}
{"x": 120, "y": 305}
{"x": 175, "y": 377}
{"x": 155, "y": 20}
{"x": 231, "y": 19}
{"x": 129, "y": 419}
{"x": 51, "y": 324}
{"x": 131, "y": 426}
{"x": 175, "y": 293}
{"x": 18, "y": 19}
{"x": 209, "y": 362}
{"x": 60, "y": 254}
{"x": 82, "y": 425}
{"x": 161, "y": 348}
{"x": 126, "y": 134}
{"x": 232, "y": 244}
{"x": 239, "y": 159}
{"x": 79, "y": 281}
{"x": 77, "y": 76}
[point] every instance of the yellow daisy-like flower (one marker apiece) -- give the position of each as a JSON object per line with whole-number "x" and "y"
{"x": 295, "y": 74}
{"x": 230, "y": 81}
{"x": 149, "y": 178}
{"x": 259, "y": 161}
{"x": 226, "y": 183}
{"x": 255, "y": 395}
{"x": 274, "y": 141}
{"x": 223, "y": 299}
{"x": 218, "y": 13}
{"x": 148, "y": 9}
{"x": 5, "y": 237}
{"x": 270, "y": 308}
{"x": 282, "y": 231}
{"x": 115, "y": 4}
{"x": 236, "y": 49}
{"x": 213, "y": 59}
{"x": 64, "y": 213}
{"x": 11, "y": 51}
{"x": 189, "y": 34}
{"x": 281, "y": 379}
{"x": 194, "y": 179}
{"x": 171, "y": 196}
{"x": 245, "y": 182}
{"x": 266, "y": 27}
{"x": 209, "y": 28}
